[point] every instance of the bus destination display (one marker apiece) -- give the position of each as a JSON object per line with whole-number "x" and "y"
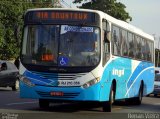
{"x": 59, "y": 16}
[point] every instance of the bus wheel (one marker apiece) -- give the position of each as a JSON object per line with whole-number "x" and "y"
{"x": 43, "y": 103}
{"x": 107, "y": 105}
{"x": 138, "y": 99}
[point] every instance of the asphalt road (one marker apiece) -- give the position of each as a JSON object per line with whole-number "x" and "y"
{"x": 13, "y": 107}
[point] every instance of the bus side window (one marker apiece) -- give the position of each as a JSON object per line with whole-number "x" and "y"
{"x": 116, "y": 44}
{"x": 124, "y": 44}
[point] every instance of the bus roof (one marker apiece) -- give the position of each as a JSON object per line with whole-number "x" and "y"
{"x": 113, "y": 20}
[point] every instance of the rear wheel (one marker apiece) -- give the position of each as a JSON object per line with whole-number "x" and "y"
{"x": 138, "y": 99}
{"x": 43, "y": 103}
{"x": 107, "y": 105}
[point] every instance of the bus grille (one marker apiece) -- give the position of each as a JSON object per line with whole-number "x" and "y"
{"x": 59, "y": 76}
{"x": 65, "y": 95}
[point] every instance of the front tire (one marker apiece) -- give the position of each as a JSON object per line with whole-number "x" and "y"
{"x": 107, "y": 105}
{"x": 43, "y": 103}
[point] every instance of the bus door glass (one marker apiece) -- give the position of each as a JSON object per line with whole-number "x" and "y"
{"x": 106, "y": 41}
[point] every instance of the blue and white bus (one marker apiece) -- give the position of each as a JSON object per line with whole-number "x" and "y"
{"x": 84, "y": 55}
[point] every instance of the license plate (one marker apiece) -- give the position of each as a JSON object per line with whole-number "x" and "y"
{"x": 56, "y": 94}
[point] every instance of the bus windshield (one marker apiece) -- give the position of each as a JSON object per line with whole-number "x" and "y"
{"x": 61, "y": 45}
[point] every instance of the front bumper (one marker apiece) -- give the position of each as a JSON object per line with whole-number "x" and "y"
{"x": 69, "y": 93}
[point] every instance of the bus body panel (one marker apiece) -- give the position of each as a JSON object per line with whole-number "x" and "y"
{"x": 127, "y": 73}
{"x": 70, "y": 93}
{"x": 44, "y": 86}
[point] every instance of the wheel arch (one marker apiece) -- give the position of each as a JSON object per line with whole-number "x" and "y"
{"x": 114, "y": 84}
{"x": 142, "y": 86}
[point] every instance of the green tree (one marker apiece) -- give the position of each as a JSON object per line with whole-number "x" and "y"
{"x": 43, "y": 3}
{"x": 111, "y": 7}
{"x": 11, "y": 14}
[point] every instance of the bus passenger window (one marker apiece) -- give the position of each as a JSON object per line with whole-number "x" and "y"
{"x": 123, "y": 37}
{"x": 116, "y": 41}
{"x": 131, "y": 45}
{"x": 138, "y": 54}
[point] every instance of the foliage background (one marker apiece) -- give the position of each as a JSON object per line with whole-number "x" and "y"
{"x": 11, "y": 16}
{"x": 111, "y": 7}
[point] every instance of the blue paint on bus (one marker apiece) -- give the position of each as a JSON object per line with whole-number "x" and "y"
{"x": 119, "y": 69}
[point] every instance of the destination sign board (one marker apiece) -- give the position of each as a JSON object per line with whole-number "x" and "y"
{"x": 53, "y": 16}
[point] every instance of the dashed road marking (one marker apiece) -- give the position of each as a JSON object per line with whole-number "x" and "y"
{"x": 21, "y": 103}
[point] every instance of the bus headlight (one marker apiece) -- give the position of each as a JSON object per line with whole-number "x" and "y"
{"x": 26, "y": 81}
{"x": 91, "y": 82}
